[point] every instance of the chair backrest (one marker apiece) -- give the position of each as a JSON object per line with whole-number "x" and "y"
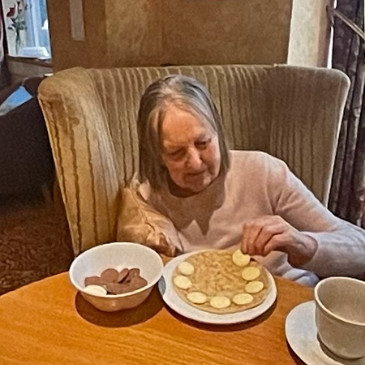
{"x": 291, "y": 112}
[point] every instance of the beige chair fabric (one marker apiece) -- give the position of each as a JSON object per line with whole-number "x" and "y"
{"x": 290, "y": 112}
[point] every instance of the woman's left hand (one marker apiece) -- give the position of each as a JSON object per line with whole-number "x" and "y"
{"x": 273, "y": 233}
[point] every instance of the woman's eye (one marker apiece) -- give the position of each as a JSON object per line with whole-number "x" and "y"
{"x": 175, "y": 154}
{"x": 202, "y": 144}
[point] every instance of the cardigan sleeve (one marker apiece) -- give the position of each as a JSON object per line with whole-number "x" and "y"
{"x": 341, "y": 245}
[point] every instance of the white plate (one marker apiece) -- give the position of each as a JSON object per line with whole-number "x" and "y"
{"x": 301, "y": 333}
{"x": 173, "y": 300}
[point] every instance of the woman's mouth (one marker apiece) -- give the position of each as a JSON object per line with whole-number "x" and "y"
{"x": 195, "y": 175}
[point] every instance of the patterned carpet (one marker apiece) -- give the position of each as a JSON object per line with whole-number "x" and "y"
{"x": 34, "y": 241}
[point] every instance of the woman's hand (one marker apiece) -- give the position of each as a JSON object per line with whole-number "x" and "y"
{"x": 273, "y": 233}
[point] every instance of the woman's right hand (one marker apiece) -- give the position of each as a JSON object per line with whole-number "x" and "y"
{"x": 272, "y": 233}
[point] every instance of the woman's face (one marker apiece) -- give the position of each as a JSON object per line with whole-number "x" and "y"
{"x": 190, "y": 151}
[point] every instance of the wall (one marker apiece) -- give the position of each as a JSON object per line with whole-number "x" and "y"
{"x": 65, "y": 51}
{"x": 156, "y": 32}
{"x": 134, "y": 32}
{"x": 233, "y": 31}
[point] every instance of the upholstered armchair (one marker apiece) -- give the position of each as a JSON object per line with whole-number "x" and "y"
{"x": 290, "y": 112}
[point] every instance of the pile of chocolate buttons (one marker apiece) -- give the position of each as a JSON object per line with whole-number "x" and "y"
{"x": 116, "y": 282}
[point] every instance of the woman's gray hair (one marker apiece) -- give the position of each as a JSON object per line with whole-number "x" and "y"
{"x": 185, "y": 93}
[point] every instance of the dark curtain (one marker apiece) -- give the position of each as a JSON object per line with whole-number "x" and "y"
{"x": 347, "y": 197}
{"x": 4, "y": 74}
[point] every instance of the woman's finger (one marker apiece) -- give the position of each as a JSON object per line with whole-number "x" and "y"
{"x": 259, "y": 232}
{"x": 250, "y": 232}
{"x": 267, "y": 234}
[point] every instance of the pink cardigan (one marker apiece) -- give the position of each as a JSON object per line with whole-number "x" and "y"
{"x": 258, "y": 184}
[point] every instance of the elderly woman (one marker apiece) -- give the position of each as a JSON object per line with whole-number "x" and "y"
{"x": 224, "y": 199}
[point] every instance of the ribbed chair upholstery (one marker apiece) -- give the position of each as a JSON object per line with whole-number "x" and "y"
{"x": 290, "y": 112}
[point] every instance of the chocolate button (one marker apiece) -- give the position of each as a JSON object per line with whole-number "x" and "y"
{"x": 134, "y": 272}
{"x": 92, "y": 280}
{"x": 122, "y": 275}
{"x": 138, "y": 282}
{"x": 115, "y": 288}
{"x": 109, "y": 275}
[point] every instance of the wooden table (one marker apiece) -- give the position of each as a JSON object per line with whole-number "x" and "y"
{"x": 47, "y": 322}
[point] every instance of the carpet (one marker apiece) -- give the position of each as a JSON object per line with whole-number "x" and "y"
{"x": 35, "y": 241}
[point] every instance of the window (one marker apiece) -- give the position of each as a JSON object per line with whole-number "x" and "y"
{"x": 26, "y": 23}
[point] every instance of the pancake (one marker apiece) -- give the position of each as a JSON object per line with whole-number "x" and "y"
{"x": 213, "y": 282}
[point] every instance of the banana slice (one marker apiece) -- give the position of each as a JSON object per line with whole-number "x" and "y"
{"x": 197, "y": 297}
{"x": 186, "y": 268}
{"x": 220, "y": 302}
{"x": 254, "y": 287}
{"x": 182, "y": 282}
{"x": 250, "y": 273}
{"x": 95, "y": 290}
{"x": 240, "y": 259}
{"x": 242, "y": 298}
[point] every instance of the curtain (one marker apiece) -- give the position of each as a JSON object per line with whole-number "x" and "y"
{"x": 4, "y": 74}
{"x": 347, "y": 196}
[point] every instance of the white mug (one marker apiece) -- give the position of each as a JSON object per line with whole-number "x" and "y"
{"x": 340, "y": 316}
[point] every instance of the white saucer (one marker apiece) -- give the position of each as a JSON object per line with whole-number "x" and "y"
{"x": 301, "y": 333}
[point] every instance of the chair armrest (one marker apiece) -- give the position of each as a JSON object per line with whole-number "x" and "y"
{"x": 84, "y": 155}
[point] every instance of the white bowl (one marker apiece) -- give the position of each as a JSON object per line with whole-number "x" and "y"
{"x": 117, "y": 255}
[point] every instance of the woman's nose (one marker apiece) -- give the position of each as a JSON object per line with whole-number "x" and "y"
{"x": 194, "y": 159}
